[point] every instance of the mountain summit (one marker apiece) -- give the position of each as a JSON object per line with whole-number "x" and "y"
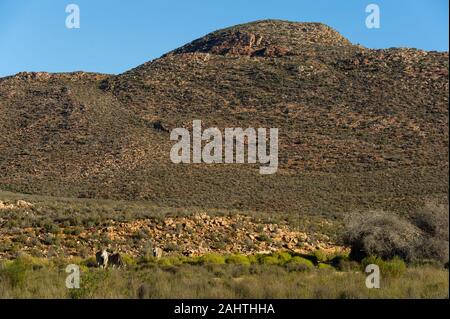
{"x": 266, "y": 38}
{"x": 359, "y": 128}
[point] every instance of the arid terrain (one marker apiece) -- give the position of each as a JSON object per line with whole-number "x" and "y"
{"x": 363, "y": 139}
{"x": 359, "y": 128}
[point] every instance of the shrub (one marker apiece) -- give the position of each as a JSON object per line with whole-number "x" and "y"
{"x": 284, "y": 257}
{"x": 325, "y": 266}
{"x": 128, "y": 260}
{"x": 237, "y": 271}
{"x": 91, "y": 281}
{"x": 146, "y": 260}
{"x": 51, "y": 227}
{"x": 73, "y": 231}
{"x": 213, "y": 259}
{"x": 320, "y": 255}
{"x": 165, "y": 262}
{"x": 15, "y": 271}
{"x": 337, "y": 259}
{"x": 301, "y": 260}
{"x": 253, "y": 259}
{"x": 382, "y": 235}
{"x": 270, "y": 260}
{"x": 50, "y": 240}
{"x": 172, "y": 247}
{"x": 347, "y": 265}
{"x": 90, "y": 262}
{"x": 433, "y": 220}
{"x": 264, "y": 237}
{"x": 423, "y": 236}
{"x": 170, "y": 261}
{"x": 193, "y": 260}
{"x": 237, "y": 259}
{"x": 394, "y": 267}
{"x": 298, "y": 263}
{"x": 433, "y": 249}
{"x": 375, "y": 260}
{"x": 140, "y": 234}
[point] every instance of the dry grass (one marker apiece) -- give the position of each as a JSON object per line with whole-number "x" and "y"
{"x": 224, "y": 281}
{"x": 421, "y": 235}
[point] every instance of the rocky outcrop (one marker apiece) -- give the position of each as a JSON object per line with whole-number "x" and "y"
{"x": 258, "y": 40}
{"x": 17, "y": 205}
{"x": 190, "y": 236}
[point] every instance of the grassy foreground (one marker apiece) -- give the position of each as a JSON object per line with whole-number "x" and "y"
{"x": 215, "y": 276}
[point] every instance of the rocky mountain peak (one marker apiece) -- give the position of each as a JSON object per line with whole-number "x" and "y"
{"x": 266, "y": 38}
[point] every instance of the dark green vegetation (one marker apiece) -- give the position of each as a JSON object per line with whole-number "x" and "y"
{"x": 214, "y": 276}
{"x": 359, "y": 129}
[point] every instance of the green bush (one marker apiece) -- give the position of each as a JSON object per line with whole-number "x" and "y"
{"x": 128, "y": 260}
{"x": 325, "y": 266}
{"x": 165, "y": 262}
{"x": 51, "y": 227}
{"x": 237, "y": 259}
{"x": 74, "y": 231}
{"x": 264, "y": 237}
{"x": 253, "y": 259}
{"x": 193, "y": 260}
{"x": 270, "y": 260}
{"x": 284, "y": 257}
{"x": 394, "y": 267}
{"x": 15, "y": 271}
{"x": 372, "y": 260}
{"x": 343, "y": 263}
{"x": 302, "y": 261}
{"x": 170, "y": 261}
{"x": 348, "y": 265}
{"x": 91, "y": 281}
{"x": 213, "y": 259}
{"x": 320, "y": 256}
{"x": 298, "y": 263}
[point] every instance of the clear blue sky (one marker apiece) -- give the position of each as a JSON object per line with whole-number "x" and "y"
{"x": 116, "y": 35}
